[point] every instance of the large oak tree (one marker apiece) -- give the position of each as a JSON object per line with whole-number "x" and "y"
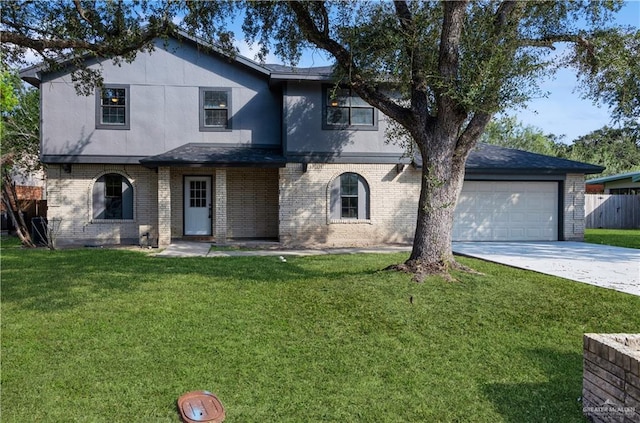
{"x": 454, "y": 63}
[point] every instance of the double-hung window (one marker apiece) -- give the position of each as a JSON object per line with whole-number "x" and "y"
{"x": 112, "y": 107}
{"x": 349, "y": 198}
{"x": 215, "y": 107}
{"x": 112, "y": 198}
{"x": 344, "y": 109}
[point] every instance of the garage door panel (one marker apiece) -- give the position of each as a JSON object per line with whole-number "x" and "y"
{"x": 507, "y": 211}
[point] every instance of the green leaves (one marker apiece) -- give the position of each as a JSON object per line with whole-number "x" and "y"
{"x": 618, "y": 149}
{"x": 609, "y": 70}
{"x": 20, "y": 130}
{"x": 508, "y": 132}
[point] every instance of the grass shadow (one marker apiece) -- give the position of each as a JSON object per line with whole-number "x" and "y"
{"x": 557, "y": 399}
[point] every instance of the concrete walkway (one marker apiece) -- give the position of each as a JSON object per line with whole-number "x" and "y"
{"x": 601, "y": 265}
{"x": 203, "y": 249}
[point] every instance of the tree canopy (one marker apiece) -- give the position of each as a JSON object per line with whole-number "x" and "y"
{"x": 617, "y": 149}
{"x": 440, "y": 70}
{"x": 508, "y": 132}
{"x": 19, "y": 132}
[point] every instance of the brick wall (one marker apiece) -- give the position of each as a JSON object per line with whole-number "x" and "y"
{"x": 69, "y": 199}
{"x": 288, "y": 203}
{"x": 252, "y": 203}
{"x": 574, "y": 217}
{"x": 304, "y": 205}
{"x": 611, "y": 378}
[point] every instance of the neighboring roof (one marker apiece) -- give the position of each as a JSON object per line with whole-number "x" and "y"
{"x": 486, "y": 158}
{"x": 634, "y": 176}
{"x": 201, "y": 155}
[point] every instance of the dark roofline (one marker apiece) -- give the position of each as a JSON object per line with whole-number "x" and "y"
{"x": 486, "y": 158}
{"x": 276, "y": 73}
{"x": 208, "y": 155}
{"x": 242, "y": 60}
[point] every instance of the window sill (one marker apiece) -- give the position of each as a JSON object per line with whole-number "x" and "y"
{"x": 113, "y": 127}
{"x": 102, "y": 221}
{"x": 350, "y": 221}
{"x": 327, "y": 127}
{"x": 214, "y": 129}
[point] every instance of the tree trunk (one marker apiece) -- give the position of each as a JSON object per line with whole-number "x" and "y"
{"x": 442, "y": 179}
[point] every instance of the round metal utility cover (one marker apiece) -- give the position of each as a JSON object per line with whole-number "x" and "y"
{"x": 200, "y": 407}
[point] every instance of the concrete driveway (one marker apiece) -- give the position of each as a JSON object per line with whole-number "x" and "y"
{"x": 602, "y": 265}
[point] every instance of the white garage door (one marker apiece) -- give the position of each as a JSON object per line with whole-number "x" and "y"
{"x": 507, "y": 211}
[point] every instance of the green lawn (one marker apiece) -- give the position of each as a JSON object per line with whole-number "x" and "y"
{"x": 98, "y": 335}
{"x": 629, "y": 238}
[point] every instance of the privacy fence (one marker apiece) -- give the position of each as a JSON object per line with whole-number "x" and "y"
{"x": 612, "y": 211}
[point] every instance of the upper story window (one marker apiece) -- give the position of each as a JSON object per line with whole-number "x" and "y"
{"x": 112, "y": 198}
{"x": 112, "y": 107}
{"x": 215, "y": 107}
{"x": 344, "y": 109}
{"x": 349, "y": 197}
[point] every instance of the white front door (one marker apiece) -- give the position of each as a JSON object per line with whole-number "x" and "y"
{"x": 197, "y": 205}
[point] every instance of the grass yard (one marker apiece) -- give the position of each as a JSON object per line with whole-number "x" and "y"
{"x": 629, "y": 238}
{"x": 98, "y": 335}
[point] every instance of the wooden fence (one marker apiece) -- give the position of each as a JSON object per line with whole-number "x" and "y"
{"x": 612, "y": 211}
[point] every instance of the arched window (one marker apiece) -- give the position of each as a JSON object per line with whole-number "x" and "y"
{"x": 112, "y": 197}
{"x": 349, "y": 197}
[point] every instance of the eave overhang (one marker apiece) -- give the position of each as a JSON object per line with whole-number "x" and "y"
{"x": 211, "y": 155}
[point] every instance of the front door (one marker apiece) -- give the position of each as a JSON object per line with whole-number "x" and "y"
{"x": 197, "y": 205}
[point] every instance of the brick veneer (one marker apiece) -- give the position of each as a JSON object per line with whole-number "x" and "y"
{"x": 611, "y": 377}
{"x": 289, "y": 203}
{"x": 69, "y": 198}
{"x": 574, "y": 219}
{"x": 304, "y": 205}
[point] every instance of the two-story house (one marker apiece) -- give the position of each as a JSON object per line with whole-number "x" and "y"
{"x": 187, "y": 142}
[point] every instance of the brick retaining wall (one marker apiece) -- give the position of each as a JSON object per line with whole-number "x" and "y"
{"x": 611, "y": 378}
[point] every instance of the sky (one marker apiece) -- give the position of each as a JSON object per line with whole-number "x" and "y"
{"x": 562, "y": 112}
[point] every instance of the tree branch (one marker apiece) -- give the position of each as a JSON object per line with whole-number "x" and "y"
{"x": 357, "y": 82}
{"x": 452, "y": 26}
{"x": 448, "y": 59}
{"x": 561, "y": 38}
{"x": 82, "y": 12}
{"x": 472, "y": 132}
{"x": 103, "y": 49}
{"x": 419, "y": 85}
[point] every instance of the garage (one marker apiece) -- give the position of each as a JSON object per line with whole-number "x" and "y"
{"x": 507, "y": 211}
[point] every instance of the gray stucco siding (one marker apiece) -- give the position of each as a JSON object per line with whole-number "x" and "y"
{"x": 303, "y": 102}
{"x": 163, "y": 107}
